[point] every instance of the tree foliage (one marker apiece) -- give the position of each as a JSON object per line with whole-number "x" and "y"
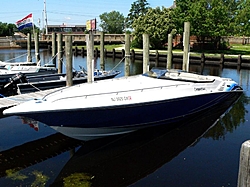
{"x": 138, "y": 8}
{"x": 242, "y": 18}
{"x": 112, "y": 22}
{"x": 212, "y": 19}
{"x": 158, "y": 23}
{"x": 209, "y": 20}
{"x": 7, "y": 29}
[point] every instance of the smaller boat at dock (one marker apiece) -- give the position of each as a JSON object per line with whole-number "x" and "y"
{"x": 11, "y": 69}
{"x": 4, "y": 64}
{"x": 126, "y": 104}
{"x": 50, "y": 81}
{"x": 12, "y": 73}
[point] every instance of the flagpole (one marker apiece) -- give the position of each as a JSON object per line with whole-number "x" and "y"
{"x": 36, "y": 43}
{"x": 45, "y": 17}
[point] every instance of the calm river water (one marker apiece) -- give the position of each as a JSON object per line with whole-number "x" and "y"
{"x": 199, "y": 153}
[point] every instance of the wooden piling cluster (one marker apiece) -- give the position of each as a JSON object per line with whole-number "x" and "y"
{"x": 177, "y": 58}
{"x": 161, "y": 58}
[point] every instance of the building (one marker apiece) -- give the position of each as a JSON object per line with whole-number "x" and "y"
{"x": 74, "y": 29}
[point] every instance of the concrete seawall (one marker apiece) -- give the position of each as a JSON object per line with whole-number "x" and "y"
{"x": 6, "y": 43}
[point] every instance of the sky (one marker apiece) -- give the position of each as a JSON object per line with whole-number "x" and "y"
{"x": 69, "y": 12}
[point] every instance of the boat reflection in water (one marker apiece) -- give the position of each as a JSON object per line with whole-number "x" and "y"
{"x": 123, "y": 160}
{"x": 33, "y": 152}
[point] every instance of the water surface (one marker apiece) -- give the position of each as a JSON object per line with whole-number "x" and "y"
{"x": 203, "y": 152}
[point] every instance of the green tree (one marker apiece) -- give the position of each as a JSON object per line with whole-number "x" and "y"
{"x": 181, "y": 14}
{"x": 208, "y": 18}
{"x": 138, "y": 8}
{"x": 7, "y": 29}
{"x": 242, "y": 18}
{"x": 158, "y": 23}
{"x": 233, "y": 9}
{"x": 112, "y": 22}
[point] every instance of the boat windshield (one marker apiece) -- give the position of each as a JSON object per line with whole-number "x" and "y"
{"x": 155, "y": 72}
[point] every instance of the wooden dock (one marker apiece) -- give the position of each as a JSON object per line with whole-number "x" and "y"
{"x": 7, "y": 102}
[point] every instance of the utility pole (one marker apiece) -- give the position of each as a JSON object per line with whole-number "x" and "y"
{"x": 45, "y": 17}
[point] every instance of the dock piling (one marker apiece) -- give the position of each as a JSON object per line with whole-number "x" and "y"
{"x": 170, "y": 53}
{"x": 68, "y": 49}
{"x": 90, "y": 55}
{"x": 145, "y": 53}
{"x": 60, "y": 52}
{"x": 54, "y": 47}
{"x": 244, "y": 166}
{"x": 29, "y": 58}
{"x": 37, "y": 54}
{"x": 102, "y": 62}
{"x": 127, "y": 54}
{"x": 185, "y": 65}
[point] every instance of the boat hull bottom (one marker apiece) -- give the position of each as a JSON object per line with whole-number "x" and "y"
{"x": 86, "y": 134}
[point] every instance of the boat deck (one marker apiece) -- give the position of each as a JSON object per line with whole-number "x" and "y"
{"x": 7, "y": 102}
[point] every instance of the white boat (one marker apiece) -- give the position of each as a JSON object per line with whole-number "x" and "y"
{"x": 27, "y": 68}
{"x": 122, "y": 105}
{"x": 9, "y": 70}
{"x": 50, "y": 81}
{"x": 3, "y": 64}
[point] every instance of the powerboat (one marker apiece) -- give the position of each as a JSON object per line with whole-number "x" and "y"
{"x": 50, "y": 81}
{"x": 21, "y": 83}
{"x": 14, "y": 73}
{"x": 11, "y": 69}
{"x": 126, "y": 104}
{"x": 4, "y": 64}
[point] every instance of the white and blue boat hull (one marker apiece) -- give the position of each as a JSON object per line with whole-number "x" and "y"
{"x": 124, "y": 105}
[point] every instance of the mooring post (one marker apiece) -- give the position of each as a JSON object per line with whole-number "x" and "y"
{"x": 54, "y": 48}
{"x": 244, "y": 165}
{"x": 185, "y": 65}
{"x": 68, "y": 51}
{"x": 60, "y": 52}
{"x": 90, "y": 55}
{"x": 127, "y": 54}
{"x": 156, "y": 58}
{"x": 82, "y": 51}
{"x": 203, "y": 58}
{"x": 96, "y": 52}
{"x": 170, "y": 54}
{"x": 37, "y": 47}
{"x": 239, "y": 60}
{"x": 145, "y": 53}
{"x": 133, "y": 54}
{"x": 29, "y": 58}
{"x": 113, "y": 53}
{"x": 76, "y": 50}
{"x": 102, "y": 62}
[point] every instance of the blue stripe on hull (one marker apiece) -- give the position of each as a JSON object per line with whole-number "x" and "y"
{"x": 146, "y": 114}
